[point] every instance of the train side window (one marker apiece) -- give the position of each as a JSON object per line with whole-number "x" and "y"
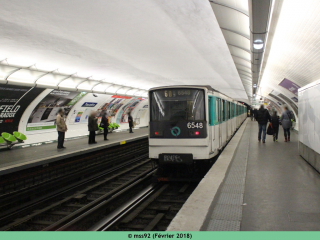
{"x": 226, "y": 111}
{"x": 211, "y": 112}
{"x": 223, "y": 110}
{"x": 218, "y": 109}
{"x": 232, "y": 110}
{"x": 214, "y": 111}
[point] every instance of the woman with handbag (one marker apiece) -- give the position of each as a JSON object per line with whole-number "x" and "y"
{"x": 104, "y": 124}
{"x": 286, "y": 123}
{"x": 275, "y": 125}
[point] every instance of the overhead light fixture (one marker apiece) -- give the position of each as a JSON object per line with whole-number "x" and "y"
{"x": 258, "y": 44}
{"x": 254, "y": 95}
{"x": 254, "y": 85}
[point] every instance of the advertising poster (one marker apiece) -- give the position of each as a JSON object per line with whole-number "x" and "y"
{"x": 44, "y": 115}
{"x": 289, "y": 85}
{"x": 78, "y": 117}
{"x": 129, "y": 108}
{"x": 13, "y": 102}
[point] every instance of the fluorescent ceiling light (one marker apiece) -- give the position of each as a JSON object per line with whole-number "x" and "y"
{"x": 50, "y": 79}
{"x": 258, "y": 44}
{"x": 25, "y": 75}
{"x": 88, "y": 85}
{"x": 122, "y": 90}
{"x": 71, "y": 82}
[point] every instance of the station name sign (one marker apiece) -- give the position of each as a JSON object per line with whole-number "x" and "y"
{"x": 89, "y": 104}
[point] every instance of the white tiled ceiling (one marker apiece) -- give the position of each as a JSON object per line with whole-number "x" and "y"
{"x": 295, "y": 49}
{"x": 140, "y": 44}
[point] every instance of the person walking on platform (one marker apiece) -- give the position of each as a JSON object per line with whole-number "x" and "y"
{"x": 262, "y": 116}
{"x": 255, "y": 114}
{"x": 130, "y": 120}
{"x": 252, "y": 114}
{"x": 61, "y": 128}
{"x": 286, "y": 123}
{"x": 275, "y": 121}
{"x": 92, "y": 127}
{"x": 105, "y": 124}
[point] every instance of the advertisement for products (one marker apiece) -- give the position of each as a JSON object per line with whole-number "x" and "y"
{"x": 44, "y": 115}
{"x": 13, "y": 102}
{"x": 128, "y": 109}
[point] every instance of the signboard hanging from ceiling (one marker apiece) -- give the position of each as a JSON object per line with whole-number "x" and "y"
{"x": 289, "y": 85}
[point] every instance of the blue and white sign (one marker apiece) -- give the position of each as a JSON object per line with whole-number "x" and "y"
{"x": 89, "y": 104}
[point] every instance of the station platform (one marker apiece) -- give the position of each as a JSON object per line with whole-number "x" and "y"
{"x": 23, "y": 158}
{"x": 255, "y": 187}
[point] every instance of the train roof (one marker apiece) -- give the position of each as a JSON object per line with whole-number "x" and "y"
{"x": 189, "y": 86}
{"x": 193, "y": 86}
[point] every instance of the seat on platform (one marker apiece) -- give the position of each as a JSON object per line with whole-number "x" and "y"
{"x": 2, "y": 141}
{"x": 8, "y": 137}
{"x": 20, "y": 136}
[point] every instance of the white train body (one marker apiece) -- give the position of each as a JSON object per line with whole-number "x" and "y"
{"x": 190, "y": 123}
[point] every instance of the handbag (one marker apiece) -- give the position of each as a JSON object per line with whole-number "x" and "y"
{"x": 270, "y": 129}
{"x": 289, "y": 119}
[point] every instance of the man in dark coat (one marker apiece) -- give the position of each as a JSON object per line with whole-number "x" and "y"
{"x": 92, "y": 127}
{"x": 262, "y": 116}
{"x": 130, "y": 120}
{"x": 105, "y": 124}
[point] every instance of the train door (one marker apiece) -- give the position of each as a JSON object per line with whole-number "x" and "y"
{"x": 212, "y": 112}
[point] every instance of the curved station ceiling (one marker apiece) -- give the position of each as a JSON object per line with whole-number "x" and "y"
{"x": 246, "y": 49}
{"x": 133, "y": 44}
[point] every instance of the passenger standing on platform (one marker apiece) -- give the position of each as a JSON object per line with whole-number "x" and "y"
{"x": 255, "y": 114}
{"x": 105, "y": 124}
{"x": 286, "y": 123}
{"x": 275, "y": 121}
{"x": 92, "y": 127}
{"x": 262, "y": 116}
{"x": 252, "y": 114}
{"x": 61, "y": 128}
{"x": 130, "y": 120}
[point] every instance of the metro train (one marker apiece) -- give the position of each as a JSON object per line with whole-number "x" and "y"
{"x": 190, "y": 125}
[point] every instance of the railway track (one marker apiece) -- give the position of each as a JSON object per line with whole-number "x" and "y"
{"x": 23, "y": 187}
{"x": 151, "y": 208}
{"x": 62, "y": 208}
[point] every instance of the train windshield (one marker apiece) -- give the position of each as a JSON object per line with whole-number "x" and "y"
{"x": 177, "y": 104}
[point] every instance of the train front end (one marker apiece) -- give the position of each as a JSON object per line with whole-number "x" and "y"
{"x": 178, "y": 128}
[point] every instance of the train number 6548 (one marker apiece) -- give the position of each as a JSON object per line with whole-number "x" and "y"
{"x": 194, "y": 125}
